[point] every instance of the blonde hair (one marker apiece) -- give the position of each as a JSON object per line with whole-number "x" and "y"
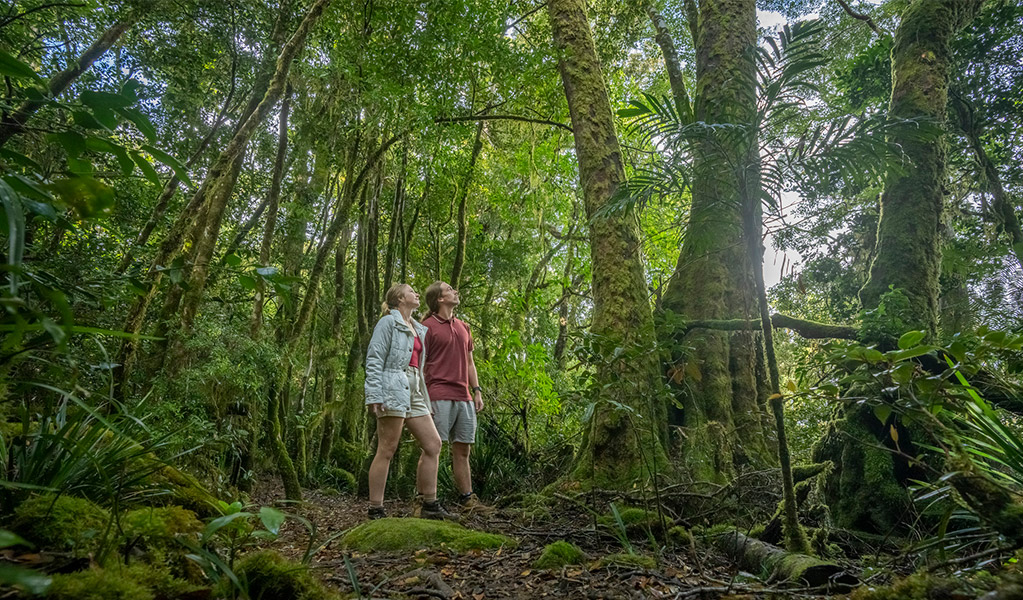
{"x": 433, "y": 294}
{"x": 393, "y": 297}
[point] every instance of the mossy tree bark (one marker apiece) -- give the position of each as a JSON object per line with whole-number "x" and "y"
{"x": 908, "y": 252}
{"x": 463, "y": 199}
{"x": 724, "y": 410}
{"x": 866, "y": 490}
{"x": 618, "y": 448}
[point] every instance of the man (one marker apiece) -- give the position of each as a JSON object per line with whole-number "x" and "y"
{"x": 452, "y": 384}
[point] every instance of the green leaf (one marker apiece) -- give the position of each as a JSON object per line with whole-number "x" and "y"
{"x": 140, "y": 120}
{"x": 233, "y": 260}
{"x": 882, "y": 412}
{"x": 13, "y": 67}
{"x": 147, "y": 169}
{"x": 19, "y": 158}
{"x": 72, "y": 141}
{"x": 178, "y": 168}
{"x": 33, "y": 582}
{"x": 86, "y": 195}
{"x": 104, "y": 100}
{"x": 272, "y": 519}
{"x": 247, "y": 282}
{"x": 15, "y": 216}
{"x": 128, "y": 91}
{"x": 911, "y": 338}
{"x": 220, "y": 522}
{"x": 86, "y": 120}
{"x": 8, "y": 539}
{"x": 911, "y": 353}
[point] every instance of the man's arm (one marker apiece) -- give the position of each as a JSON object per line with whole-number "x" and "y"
{"x": 474, "y": 384}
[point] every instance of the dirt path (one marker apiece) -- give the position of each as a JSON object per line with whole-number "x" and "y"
{"x": 503, "y": 573}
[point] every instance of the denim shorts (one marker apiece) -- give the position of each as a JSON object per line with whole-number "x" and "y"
{"x": 419, "y": 406}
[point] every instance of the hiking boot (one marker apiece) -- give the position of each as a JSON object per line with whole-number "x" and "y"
{"x": 471, "y": 503}
{"x": 377, "y": 512}
{"x": 436, "y": 511}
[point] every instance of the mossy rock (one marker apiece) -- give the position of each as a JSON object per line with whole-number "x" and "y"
{"x": 186, "y": 491}
{"x": 403, "y": 535}
{"x": 559, "y": 554}
{"x": 680, "y": 536}
{"x": 158, "y": 525}
{"x": 61, "y": 523}
{"x": 269, "y": 576}
{"x": 101, "y": 584}
{"x": 624, "y": 559}
{"x": 340, "y": 479}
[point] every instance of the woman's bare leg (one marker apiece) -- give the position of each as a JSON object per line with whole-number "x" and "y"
{"x": 425, "y": 432}
{"x": 388, "y": 436}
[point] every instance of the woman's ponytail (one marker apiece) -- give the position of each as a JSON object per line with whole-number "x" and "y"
{"x": 392, "y": 298}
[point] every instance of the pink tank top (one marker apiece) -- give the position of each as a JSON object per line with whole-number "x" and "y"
{"x": 417, "y": 353}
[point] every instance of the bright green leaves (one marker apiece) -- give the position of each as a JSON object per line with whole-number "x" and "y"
{"x": 12, "y": 67}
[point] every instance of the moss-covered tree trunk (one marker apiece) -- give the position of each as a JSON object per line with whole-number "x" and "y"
{"x": 463, "y": 200}
{"x": 908, "y": 252}
{"x": 866, "y": 490}
{"x": 618, "y": 447}
{"x": 724, "y": 412}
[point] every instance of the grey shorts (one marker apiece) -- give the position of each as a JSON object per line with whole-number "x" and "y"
{"x": 455, "y": 420}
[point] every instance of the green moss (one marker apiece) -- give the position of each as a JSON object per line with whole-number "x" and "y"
{"x": 627, "y": 560}
{"x": 187, "y": 492}
{"x": 98, "y": 584}
{"x": 915, "y": 587}
{"x": 403, "y": 535}
{"x": 340, "y": 479}
{"x": 269, "y": 576}
{"x": 559, "y": 554}
{"x": 633, "y": 519}
{"x": 61, "y": 523}
{"x": 159, "y": 525}
{"x": 680, "y": 536}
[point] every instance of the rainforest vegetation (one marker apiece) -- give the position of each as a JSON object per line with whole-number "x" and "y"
{"x": 745, "y": 282}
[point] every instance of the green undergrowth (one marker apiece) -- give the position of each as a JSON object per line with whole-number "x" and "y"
{"x": 401, "y": 535}
{"x": 926, "y": 586}
{"x": 624, "y": 559}
{"x": 634, "y": 519}
{"x": 62, "y": 523}
{"x": 135, "y": 582}
{"x": 559, "y": 554}
{"x": 267, "y": 575}
{"x": 157, "y": 526}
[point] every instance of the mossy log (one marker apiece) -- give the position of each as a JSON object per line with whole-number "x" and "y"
{"x": 756, "y": 556}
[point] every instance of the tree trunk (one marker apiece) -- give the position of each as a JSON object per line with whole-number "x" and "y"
{"x": 671, "y": 63}
{"x": 15, "y": 122}
{"x": 908, "y": 252}
{"x": 223, "y": 188}
{"x": 722, "y": 412}
{"x": 617, "y": 449}
{"x": 463, "y": 199}
{"x": 867, "y": 488}
{"x": 397, "y": 215}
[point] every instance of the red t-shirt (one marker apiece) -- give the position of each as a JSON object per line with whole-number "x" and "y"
{"x": 447, "y": 363}
{"x": 417, "y": 353}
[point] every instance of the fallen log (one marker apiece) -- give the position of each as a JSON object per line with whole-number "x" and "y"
{"x": 755, "y": 556}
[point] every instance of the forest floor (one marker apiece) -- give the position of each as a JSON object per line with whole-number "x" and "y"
{"x": 505, "y": 573}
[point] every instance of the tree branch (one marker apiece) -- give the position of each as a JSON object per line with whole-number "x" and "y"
{"x": 860, "y": 16}
{"x": 474, "y": 118}
{"x": 805, "y": 328}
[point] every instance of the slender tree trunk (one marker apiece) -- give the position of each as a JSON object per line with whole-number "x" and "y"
{"x": 617, "y": 450}
{"x": 397, "y": 217}
{"x": 15, "y": 122}
{"x": 222, "y": 189}
{"x": 722, "y": 413}
{"x": 463, "y": 199}
{"x": 671, "y": 63}
{"x": 272, "y": 206}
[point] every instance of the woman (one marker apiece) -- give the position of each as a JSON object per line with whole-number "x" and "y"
{"x": 396, "y": 396}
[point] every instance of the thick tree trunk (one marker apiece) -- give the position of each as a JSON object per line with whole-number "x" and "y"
{"x": 908, "y": 254}
{"x": 618, "y": 449}
{"x": 866, "y": 490}
{"x": 463, "y": 199}
{"x": 15, "y": 122}
{"x": 722, "y": 412}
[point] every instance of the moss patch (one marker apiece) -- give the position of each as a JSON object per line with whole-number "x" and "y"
{"x": 559, "y": 554}
{"x": 633, "y": 561}
{"x": 680, "y": 536}
{"x": 158, "y": 526}
{"x": 270, "y": 576}
{"x": 401, "y": 535}
{"x": 98, "y": 584}
{"x": 633, "y": 519}
{"x": 61, "y": 523}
